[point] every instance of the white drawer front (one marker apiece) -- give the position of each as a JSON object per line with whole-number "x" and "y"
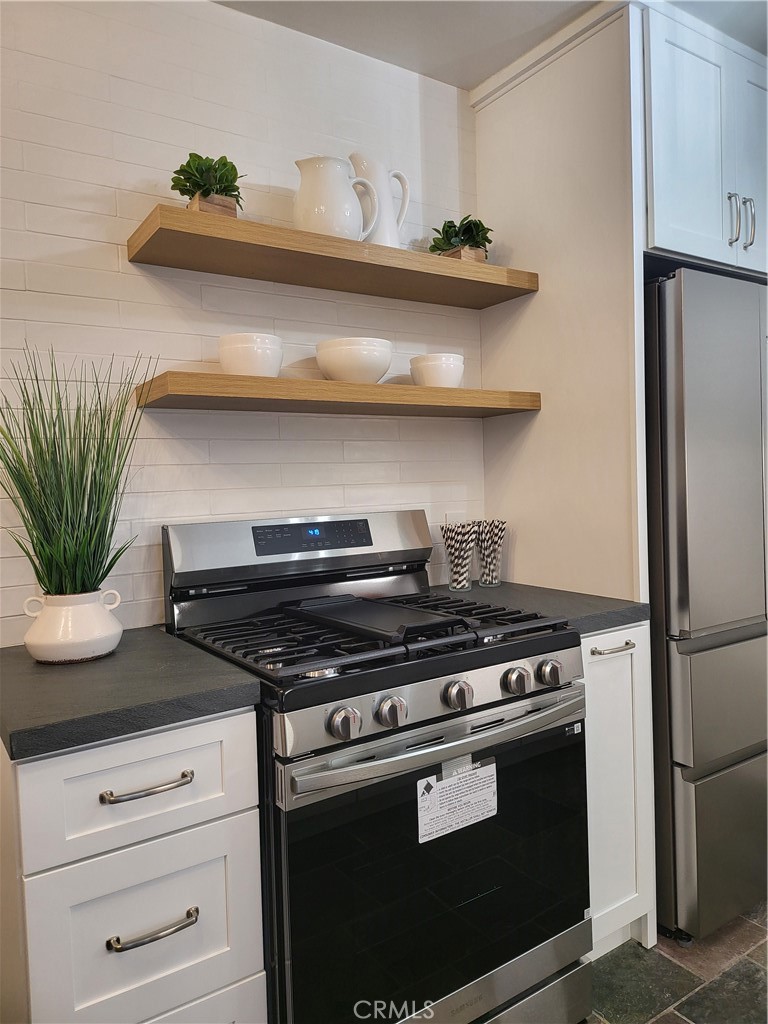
{"x": 243, "y": 1003}
{"x": 61, "y": 813}
{"x": 73, "y": 912}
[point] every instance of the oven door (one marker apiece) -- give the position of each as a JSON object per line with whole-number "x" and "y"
{"x": 435, "y": 875}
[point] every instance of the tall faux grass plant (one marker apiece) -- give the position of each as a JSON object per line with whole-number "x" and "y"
{"x": 66, "y": 440}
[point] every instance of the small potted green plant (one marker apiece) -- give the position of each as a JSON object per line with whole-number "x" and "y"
{"x": 65, "y": 447}
{"x": 211, "y": 185}
{"x": 467, "y": 240}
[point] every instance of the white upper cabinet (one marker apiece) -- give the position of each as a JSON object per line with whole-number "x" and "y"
{"x": 706, "y": 122}
{"x": 752, "y": 172}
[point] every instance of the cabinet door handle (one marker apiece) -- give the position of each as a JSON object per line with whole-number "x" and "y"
{"x": 747, "y": 201}
{"x": 737, "y": 197}
{"x": 628, "y": 645}
{"x": 108, "y": 797}
{"x": 114, "y": 945}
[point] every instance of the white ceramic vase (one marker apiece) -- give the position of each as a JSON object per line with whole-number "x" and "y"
{"x": 72, "y": 627}
{"x": 326, "y": 201}
{"x": 386, "y": 230}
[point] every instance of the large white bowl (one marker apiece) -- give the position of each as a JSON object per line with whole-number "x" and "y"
{"x": 355, "y": 360}
{"x": 257, "y": 355}
{"x": 437, "y": 370}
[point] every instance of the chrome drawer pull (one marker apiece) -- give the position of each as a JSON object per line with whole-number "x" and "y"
{"x": 108, "y": 797}
{"x": 114, "y": 945}
{"x": 628, "y": 645}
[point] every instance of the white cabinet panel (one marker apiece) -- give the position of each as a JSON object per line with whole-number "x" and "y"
{"x": 243, "y": 1003}
{"x": 62, "y": 818}
{"x": 74, "y": 911}
{"x": 706, "y": 144}
{"x": 752, "y": 117}
{"x": 620, "y": 782}
{"x": 691, "y": 142}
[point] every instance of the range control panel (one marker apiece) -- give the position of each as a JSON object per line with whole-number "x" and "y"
{"x": 295, "y": 538}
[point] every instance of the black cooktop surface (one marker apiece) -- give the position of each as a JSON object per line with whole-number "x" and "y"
{"x": 331, "y": 648}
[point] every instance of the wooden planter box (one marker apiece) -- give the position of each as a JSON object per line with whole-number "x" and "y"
{"x": 465, "y": 252}
{"x": 225, "y": 206}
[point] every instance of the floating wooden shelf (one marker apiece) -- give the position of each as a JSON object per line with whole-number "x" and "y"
{"x": 186, "y": 240}
{"x": 174, "y": 390}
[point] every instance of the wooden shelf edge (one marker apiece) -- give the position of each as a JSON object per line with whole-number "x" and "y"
{"x": 187, "y": 240}
{"x": 180, "y": 390}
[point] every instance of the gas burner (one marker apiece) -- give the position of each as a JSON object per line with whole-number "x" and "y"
{"x": 320, "y": 673}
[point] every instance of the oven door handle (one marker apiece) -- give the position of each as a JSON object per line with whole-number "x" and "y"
{"x": 368, "y": 771}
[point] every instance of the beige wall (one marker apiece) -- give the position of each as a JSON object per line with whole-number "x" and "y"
{"x": 555, "y": 182}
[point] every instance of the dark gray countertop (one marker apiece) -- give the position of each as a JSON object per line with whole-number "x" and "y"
{"x": 151, "y": 680}
{"x": 154, "y": 679}
{"x": 588, "y": 613}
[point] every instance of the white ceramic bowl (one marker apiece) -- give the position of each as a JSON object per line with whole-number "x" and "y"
{"x": 257, "y": 355}
{"x": 437, "y": 370}
{"x": 355, "y": 360}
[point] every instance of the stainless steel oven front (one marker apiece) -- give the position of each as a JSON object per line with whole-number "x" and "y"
{"x": 440, "y": 874}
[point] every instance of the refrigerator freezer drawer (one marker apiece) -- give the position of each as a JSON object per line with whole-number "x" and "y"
{"x": 720, "y": 845}
{"x": 717, "y": 700}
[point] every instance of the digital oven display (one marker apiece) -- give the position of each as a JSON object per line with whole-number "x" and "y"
{"x": 294, "y": 538}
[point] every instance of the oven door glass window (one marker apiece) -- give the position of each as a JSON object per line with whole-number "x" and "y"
{"x": 370, "y": 913}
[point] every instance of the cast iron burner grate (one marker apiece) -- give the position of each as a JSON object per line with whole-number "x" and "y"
{"x": 287, "y": 649}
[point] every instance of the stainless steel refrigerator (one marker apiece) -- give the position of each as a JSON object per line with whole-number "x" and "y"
{"x": 706, "y": 395}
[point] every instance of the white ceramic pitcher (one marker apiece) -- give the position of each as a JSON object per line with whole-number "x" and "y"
{"x": 326, "y": 201}
{"x": 387, "y": 228}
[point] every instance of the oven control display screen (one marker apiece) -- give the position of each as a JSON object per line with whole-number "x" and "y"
{"x": 293, "y": 538}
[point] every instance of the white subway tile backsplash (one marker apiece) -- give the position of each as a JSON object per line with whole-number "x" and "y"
{"x": 28, "y": 245}
{"x": 104, "y": 101}
{"x": 51, "y": 191}
{"x": 11, "y": 213}
{"x": 58, "y": 31}
{"x": 86, "y": 340}
{"x": 224, "y": 425}
{"x": 17, "y": 572}
{"x": 209, "y": 477}
{"x": 454, "y": 450}
{"x": 278, "y": 452}
{"x": 170, "y": 451}
{"x": 53, "y": 74}
{"x": 257, "y": 502}
{"x": 11, "y": 153}
{"x": 67, "y": 309}
{"x": 12, "y": 274}
{"x": 49, "y": 131}
{"x": 76, "y": 224}
{"x": 338, "y": 427}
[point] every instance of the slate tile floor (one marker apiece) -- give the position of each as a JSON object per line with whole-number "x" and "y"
{"x": 718, "y": 980}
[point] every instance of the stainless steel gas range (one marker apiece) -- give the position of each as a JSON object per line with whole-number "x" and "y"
{"x": 422, "y": 773}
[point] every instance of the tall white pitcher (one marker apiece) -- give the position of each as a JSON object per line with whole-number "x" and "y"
{"x": 387, "y": 227}
{"x": 326, "y": 201}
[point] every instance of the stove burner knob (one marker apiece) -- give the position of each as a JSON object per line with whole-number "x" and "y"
{"x": 550, "y": 673}
{"x": 345, "y": 723}
{"x": 458, "y": 695}
{"x": 392, "y": 712}
{"x": 515, "y": 681}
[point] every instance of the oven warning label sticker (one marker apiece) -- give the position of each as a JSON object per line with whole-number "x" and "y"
{"x": 459, "y": 796}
